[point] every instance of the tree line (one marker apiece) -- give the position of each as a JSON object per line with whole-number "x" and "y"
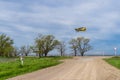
{"x": 43, "y": 44}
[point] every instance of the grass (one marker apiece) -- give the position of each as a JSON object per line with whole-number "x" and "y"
{"x": 13, "y": 68}
{"x": 3, "y": 59}
{"x": 114, "y": 61}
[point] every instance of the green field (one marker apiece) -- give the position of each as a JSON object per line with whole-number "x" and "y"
{"x": 114, "y": 61}
{"x": 11, "y": 67}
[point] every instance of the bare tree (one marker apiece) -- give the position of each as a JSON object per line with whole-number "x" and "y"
{"x": 15, "y": 51}
{"x": 61, "y": 48}
{"x": 74, "y": 46}
{"x": 25, "y": 50}
{"x": 83, "y": 45}
{"x": 45, "y": 43}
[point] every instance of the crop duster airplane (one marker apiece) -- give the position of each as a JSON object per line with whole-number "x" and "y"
{"x": 80, "y": 29}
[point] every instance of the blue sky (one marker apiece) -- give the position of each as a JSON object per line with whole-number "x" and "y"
{"x": 22, "y": 20}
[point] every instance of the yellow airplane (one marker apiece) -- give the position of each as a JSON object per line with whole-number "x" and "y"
{"x": 80, "y": 29}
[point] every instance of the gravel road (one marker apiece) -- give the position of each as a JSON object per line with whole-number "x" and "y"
{"x": 78, "y": 68}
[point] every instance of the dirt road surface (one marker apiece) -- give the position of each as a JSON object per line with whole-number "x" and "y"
{"x": 79, "y": 68}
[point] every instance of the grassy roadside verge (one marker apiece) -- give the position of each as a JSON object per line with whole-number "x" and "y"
{"x": 13, "y": 68}
{"x": 114, "y": 61}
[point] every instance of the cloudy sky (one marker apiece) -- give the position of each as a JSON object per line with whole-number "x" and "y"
{"x": 22, "y": 20}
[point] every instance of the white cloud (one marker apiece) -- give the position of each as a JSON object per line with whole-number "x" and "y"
{"x": 5, "y": 30}
{"x": 99, "y": 17}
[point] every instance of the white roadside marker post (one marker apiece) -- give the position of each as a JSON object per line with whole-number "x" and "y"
{"x": 21, "y": 59}
{"x": 115, "y": 49}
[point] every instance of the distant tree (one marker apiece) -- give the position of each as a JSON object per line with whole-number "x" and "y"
{"x": 35, "y": 49}
{"x": 6, "y": 45}
{"x": 61, "y": 48}
{"x": 83, "y": 45}
{"x": 39, "y": 45}
{"x": 45, "y": 43}
{"x": 25, "y": 50}
{"x": 9, "y": 51}
{"x": 15, "y": 51}
{"x": 74, "y": 46}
